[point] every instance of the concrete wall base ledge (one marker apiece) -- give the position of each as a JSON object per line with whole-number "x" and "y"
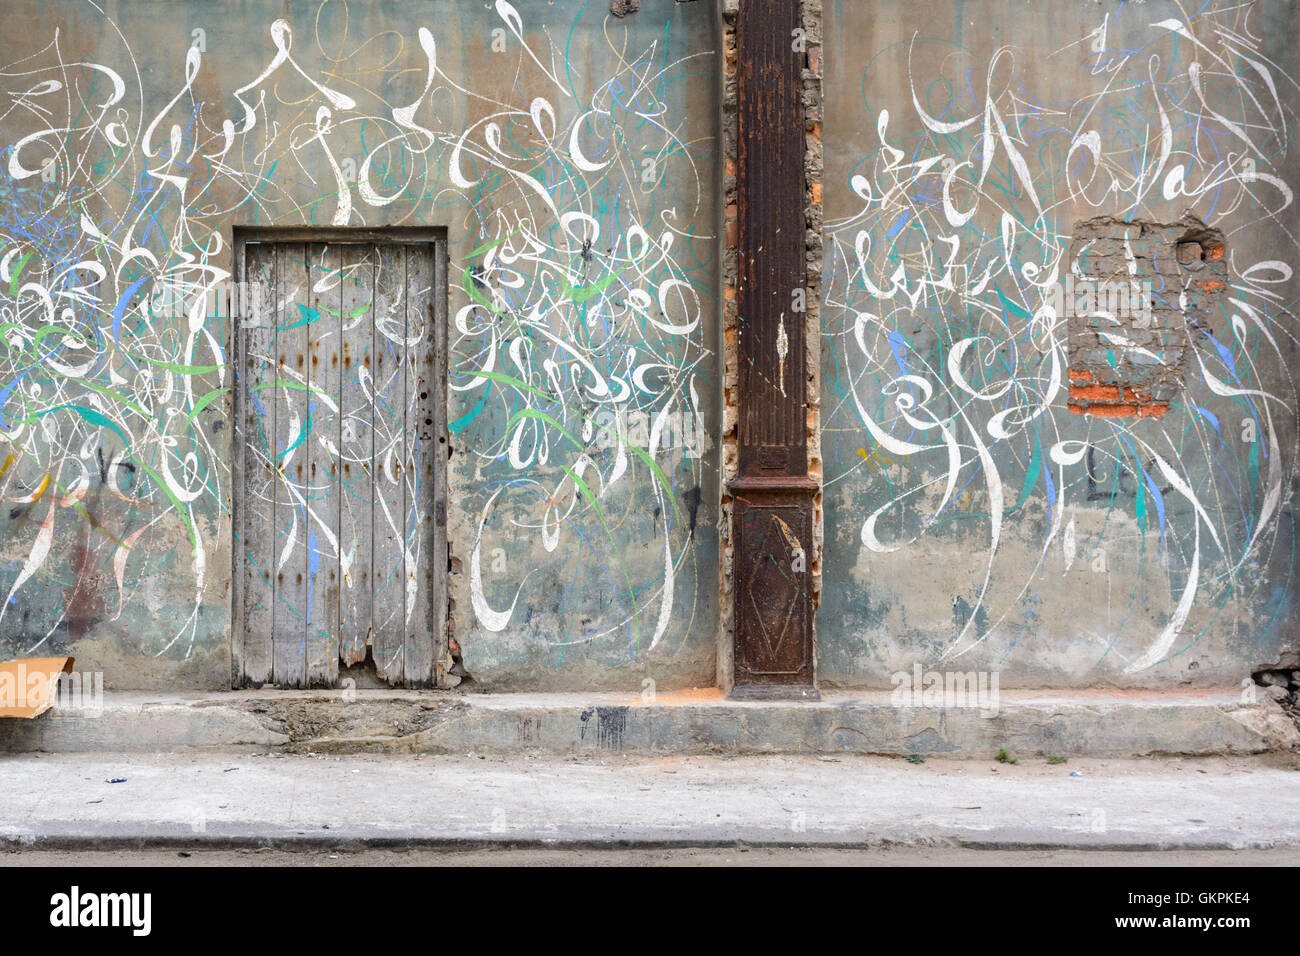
{"x": 1024, "y": 722}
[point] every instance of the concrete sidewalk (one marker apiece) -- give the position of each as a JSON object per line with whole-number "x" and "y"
{"x": 66, "y": 801}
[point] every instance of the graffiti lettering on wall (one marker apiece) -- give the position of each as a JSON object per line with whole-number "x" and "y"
{"x": 1044, "y": 429}
{"x": 558, "y": 149}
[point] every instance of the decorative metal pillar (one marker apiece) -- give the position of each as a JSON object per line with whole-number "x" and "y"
{"x": 772, "y": 493}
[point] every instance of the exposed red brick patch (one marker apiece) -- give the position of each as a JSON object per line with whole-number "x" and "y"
{"x": 1128, "y": 410}
{"x": 1110, "y": 393}
{"x": 1097, "y": 393}
{"x": 1113, "y": 401}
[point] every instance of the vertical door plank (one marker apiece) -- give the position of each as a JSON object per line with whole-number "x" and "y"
{"x": 440, "y": 447}
{"x": 291, "y": 469}
{"x": 356, "y": 450}
{"x": 322, "y": 485}
{"x": 420, "y": 492}
{"x": 256, "y": 444}
{"x": 389, "y": 569}
{"x": 237, "y": 350}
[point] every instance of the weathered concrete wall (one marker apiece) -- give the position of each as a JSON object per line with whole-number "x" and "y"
{"x": 976, "y": 517}
{"x": 569, "y": 153}
{"x": 1017, "y": 477}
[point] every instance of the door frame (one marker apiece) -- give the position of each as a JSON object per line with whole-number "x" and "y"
{"x": 432, "y": 236}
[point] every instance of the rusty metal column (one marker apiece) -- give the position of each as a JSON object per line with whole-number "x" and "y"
{"x": 772, "y": 493}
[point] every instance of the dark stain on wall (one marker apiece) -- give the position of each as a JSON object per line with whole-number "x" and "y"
{"x": 611, "y": 725}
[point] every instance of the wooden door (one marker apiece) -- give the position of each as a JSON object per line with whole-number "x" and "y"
{"x": 339, "y": 452}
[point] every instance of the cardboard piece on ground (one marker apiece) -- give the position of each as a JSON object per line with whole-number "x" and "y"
{"x": 27, "y": 684}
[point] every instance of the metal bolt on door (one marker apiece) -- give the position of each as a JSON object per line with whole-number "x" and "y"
{"x": 339, "y": 458}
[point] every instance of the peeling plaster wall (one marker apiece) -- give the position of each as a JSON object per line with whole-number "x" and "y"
{"x": 571, "y": 156}
{"x": 1135, "y": 297}
{"x": 975, "y": 520}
